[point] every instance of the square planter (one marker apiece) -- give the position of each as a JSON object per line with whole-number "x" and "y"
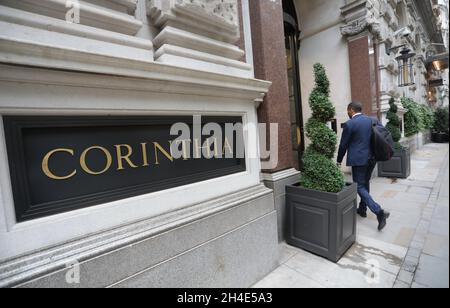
{"x": 439, "y": 137}
{"x": 322, "y": 223}
{"x": 398, "y": 167}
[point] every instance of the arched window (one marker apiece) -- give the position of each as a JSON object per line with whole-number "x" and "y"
{"x": 292, "y": 35}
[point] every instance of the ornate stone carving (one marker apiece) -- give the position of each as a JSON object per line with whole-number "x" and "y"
{"x": 392, "y": 67}
{"x": 225, "y": 11}
{"x": 198, "y": 34}
{"x": 387, "y": 11}
{"x": 360, "y": 25}
{"x": 358, "y": 17}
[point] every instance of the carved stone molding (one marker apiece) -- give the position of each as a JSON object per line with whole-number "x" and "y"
{"x": 225, "y": 9}
{"x": 358, "y": 18}
{"x": 360, "y": 25}
{"x": 388, "y": 13}
{"x": 96, "y": 29}
{"x": 198, "y": 34}
{"x": 116, "y": 16}
{"x": 205, "y": 16}
{"x": 392, "y": 67}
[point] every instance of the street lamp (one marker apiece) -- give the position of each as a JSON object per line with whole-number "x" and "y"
{"x": 405, "y": 68}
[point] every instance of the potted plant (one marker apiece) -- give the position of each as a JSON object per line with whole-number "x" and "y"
{"x": 321, "y": 208}
{"x": 400, "y": 164}
{"x": 441, "y": 126}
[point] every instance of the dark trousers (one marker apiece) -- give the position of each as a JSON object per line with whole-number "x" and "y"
{"x": 362, "y": 176}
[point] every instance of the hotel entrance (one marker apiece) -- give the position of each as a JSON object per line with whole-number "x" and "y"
{"x": 292, "y": 42}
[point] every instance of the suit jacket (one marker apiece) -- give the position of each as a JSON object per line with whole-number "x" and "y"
{"x": 356, "y": 140}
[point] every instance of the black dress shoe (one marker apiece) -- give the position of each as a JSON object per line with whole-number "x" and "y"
{"x": 361, "y": 212}
{"x": 382, "y": 218}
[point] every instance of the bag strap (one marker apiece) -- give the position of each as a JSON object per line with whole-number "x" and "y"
{"x": 374, "y": 122}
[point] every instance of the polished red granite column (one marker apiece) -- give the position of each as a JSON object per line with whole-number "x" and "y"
{"x": 361, "y": 86}
{"x": 270, "y": 64}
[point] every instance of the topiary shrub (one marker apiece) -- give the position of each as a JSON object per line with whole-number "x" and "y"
{"x": 319, "y": 170}
{"x": 413, "y": 118}
{"x": 427, "y": 115}
{"x": 419, "y": 118}
{"x": 394, "y": 123}
{"x": 441, "y": 121}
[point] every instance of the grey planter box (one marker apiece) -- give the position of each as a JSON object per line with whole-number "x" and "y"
{"x": 398, "y": 167}
{"x": 439, "y": 137}
{"x": 322, "y": 223}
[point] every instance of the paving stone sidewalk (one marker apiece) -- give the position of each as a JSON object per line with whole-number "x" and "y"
{"x": 413, "y": 250}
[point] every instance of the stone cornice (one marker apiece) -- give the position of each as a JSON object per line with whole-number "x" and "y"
{"x": 141, "y": 75}
{"x": 354, "y": 10}
{"x": 219, "y": 16}
{"x": 277, "y": 176}
{"x": 93, "y": 15}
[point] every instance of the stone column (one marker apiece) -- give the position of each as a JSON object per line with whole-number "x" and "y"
{"x": 358, "y": 50}
{"x": 270, "y": 64}
{"x": 361, "y": 30}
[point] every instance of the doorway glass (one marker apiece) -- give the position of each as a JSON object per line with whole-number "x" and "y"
{"x": 292, "y": 35}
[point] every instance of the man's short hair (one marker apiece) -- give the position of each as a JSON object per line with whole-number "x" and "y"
{"x": 355, "y": 106}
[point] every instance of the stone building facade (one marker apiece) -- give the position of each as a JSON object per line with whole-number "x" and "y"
{"x": 250, "y": 59}
{"x": 372, "y": 30}
{"x": 441, "y": 9}
{"x": 117, "y": 59}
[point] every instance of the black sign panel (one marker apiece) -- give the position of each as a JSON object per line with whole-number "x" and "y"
{"x": 59, "y": 164}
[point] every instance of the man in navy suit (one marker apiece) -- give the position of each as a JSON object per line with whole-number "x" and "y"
{"x": 356, "y": 142}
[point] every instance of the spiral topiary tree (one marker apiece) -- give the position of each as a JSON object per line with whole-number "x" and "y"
{"x": 320, "y": 172}
{"x": 394, "y": 123}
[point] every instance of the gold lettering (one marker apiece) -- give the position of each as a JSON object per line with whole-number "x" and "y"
{"x": 144, "y": 155}
{"x": 46, "y": 168}
{"x": 228, "y": 146}
{"x": 121, "y": 157}
{"x": 198, "y": 148}
{"x": 84, "y": 164}
{"x": 158, "y": 147}
{"x": 216, "y": 148}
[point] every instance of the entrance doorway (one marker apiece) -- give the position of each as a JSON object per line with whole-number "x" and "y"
{"x": 292, "y": 42}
